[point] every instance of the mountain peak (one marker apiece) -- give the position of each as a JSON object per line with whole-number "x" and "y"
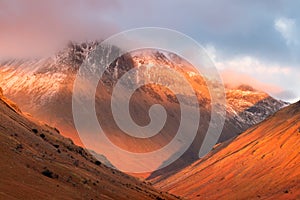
{"x": 75, "y": 53}
{"x": 245, "y": 87}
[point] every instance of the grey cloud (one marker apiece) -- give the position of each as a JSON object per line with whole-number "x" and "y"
{"x": 234, "y": 27}
{"x": 286, "y": 95}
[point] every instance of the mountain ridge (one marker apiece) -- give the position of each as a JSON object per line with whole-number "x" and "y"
{"x": 37, "y": 162}
{"x": 44, "y": 88}
{"x": 261, "y": 163}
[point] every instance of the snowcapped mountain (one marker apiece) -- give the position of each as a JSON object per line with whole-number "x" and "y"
{"x": 43, "y": 88}
{"x": 247, "y": 107}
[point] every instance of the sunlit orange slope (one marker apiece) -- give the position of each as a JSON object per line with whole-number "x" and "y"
{"x": 261, "y": 163}
{"x": 39, "y": 163}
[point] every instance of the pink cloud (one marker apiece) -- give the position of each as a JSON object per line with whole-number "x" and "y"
{"x": 33, "y": 28}
{"x": 233, "y": 78}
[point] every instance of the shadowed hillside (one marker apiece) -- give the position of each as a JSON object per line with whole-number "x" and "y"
{"x": 39, "y": 163}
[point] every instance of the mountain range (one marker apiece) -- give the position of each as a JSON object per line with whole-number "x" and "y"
{"x": 256, "y": 156}
{"x": 43, "y": 87}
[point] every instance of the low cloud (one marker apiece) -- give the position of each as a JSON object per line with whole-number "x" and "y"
{"x": 35, "y": 28}
{"x": 246, "y": 64}
{"x": 234, "y": 79}
{"x": 287, "y": 94}
{"x": 250, "y": 65}
{"x": 277, "y": 80}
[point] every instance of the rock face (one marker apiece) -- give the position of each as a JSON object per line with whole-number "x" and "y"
{"x": 43, "y": 87}
{"x": 247, "y": 107}
{"x": 262, "y": 162}
{"x": 39, "y": 163}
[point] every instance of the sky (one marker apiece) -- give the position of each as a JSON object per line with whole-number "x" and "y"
{"x": 255, "y": 42}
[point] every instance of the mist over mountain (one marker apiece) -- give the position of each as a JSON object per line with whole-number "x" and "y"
{"x": 43, "y": 87}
